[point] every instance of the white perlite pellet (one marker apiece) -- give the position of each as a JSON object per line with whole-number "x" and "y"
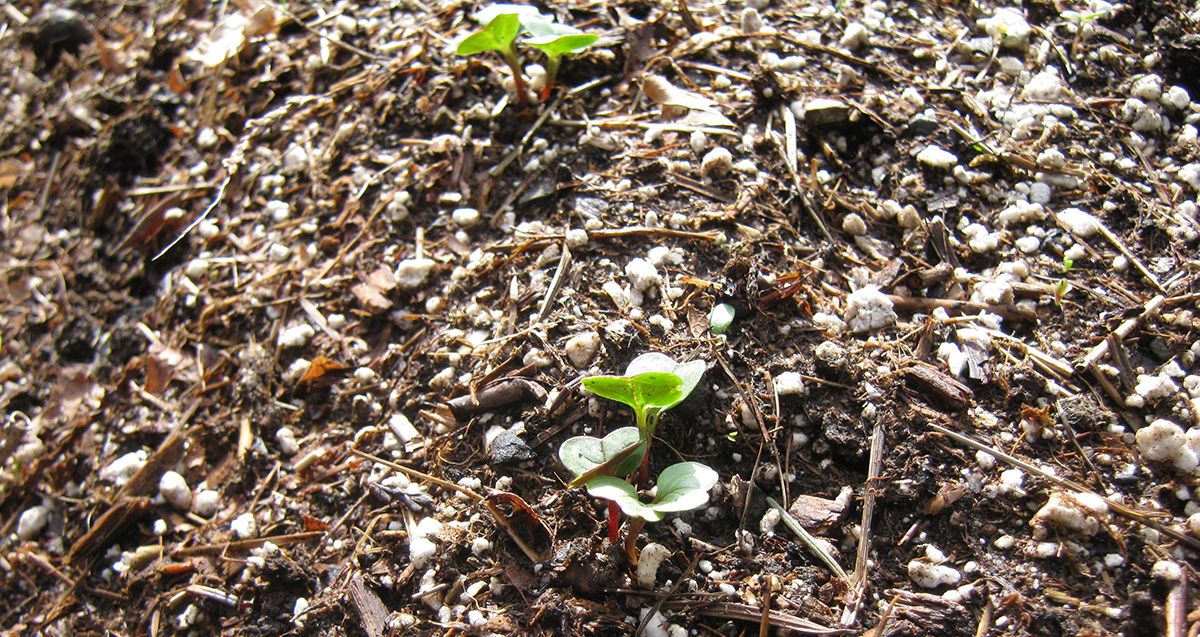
{"x": 206, "y": 503}
{"x": 647, "y": 569}
{"x": 1008, "y": 28}
{"x": 287, "y": 441}
{"x": 421, "y": 548}
{"x": 868, "y": 309}
{"x": 1165, "y": 441}
{"x": 1069, "y": 512}
{"x": 1079, "y": 223}
{"x": 643, "y": 280}
{"x": 119, "y": 471}
{"x": 31, "y": 523}
{"x": 175, "y": 490}
{"x": 717, "y": 162}
{"x": 926, "y": 574}
{"x": 937, "y": 157}
{"x": 582, "y": 348}
{"x": 790, "y": 384}
{"x": 411, "y": 273}
{"x": 244, "y": 526}
{"x": 466, "y": 217}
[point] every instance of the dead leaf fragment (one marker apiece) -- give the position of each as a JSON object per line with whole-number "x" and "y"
{"x": 322, "y": 372}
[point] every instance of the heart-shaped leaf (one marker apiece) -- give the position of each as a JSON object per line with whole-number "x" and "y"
{"x": 681, "y": 487}
{"x": 623, "y": 493}
{"x": 649, "y": 389}
{"x": 496, "y": 36}
{"x": 617, "y": 454}
{"x": 556, "y": 40}
{"x": 684, "y": 486}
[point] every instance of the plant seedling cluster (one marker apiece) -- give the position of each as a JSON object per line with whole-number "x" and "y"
{"x": 652, "y": 384}
{"x": 503, "y": 23}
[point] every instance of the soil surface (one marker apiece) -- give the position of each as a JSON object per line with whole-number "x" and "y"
{"x": 297, "y": 301}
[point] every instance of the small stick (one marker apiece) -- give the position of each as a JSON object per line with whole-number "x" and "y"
{"x": 564, "y": 262}
{"x": 417, "y": 474}
{"x": 1176, "y": 607}
{"x": 911, "y": 304}
{"x": 874, "y": 469}
{"x": 807, "y": 539}
{"x": 616, "y": 233}
{"x": 985, "y": 618}
{"x": 887, "y": 614}
{"x": 222, "y": 547}
{"x": 1122, "y": 332}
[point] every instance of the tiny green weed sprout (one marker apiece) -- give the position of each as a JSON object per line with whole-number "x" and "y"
{"x": 1079, "y": 18}
{"x": 681, "y": 487}
{"x": 720, "y": 318}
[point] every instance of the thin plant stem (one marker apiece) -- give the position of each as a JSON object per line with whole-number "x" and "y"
{"x": 514, "y": 63}
{"x": 631, "y": 536}
{"x": 552, "y": 64}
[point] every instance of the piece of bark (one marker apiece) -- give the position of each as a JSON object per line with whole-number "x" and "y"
{"x": 939, "y": 388}
{"x": 145, "y": 481}
{"x": 371, "y": 298}
{"x": 115, "y": 520}
{"x": 816, "y": 514}
{"x": 372, "y": 614}
{"x": 499, "y": 394}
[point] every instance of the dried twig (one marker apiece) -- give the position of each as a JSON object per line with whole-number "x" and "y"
{"x": 564, "y": 263}
{"x": 748, "y": 613}
{"x": 911, "y": 304}
{"x": 859, "y": 581}
{"x": 1123, "y": 331}
{"x": 809, "y": 541}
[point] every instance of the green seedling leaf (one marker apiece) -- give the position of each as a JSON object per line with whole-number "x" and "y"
{"x": 681, "y": 487}
{"x": 617, "y": 454}
{"x": 498, "y": 36}
{"x": 623, "y": 493}
{"x": 684, "y": 486}
{"x": 559, "y": 46}
{"x": 651, "y": 362}
{"x": 720, "y": 318}
{"x": 649, "y": 389}
{"x": 557, "y": 40}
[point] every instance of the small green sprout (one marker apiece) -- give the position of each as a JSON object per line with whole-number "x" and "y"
{"x": 504, "y": 22}
{"x": 681, "y": 487}
{"x": 500, "y": 35}
{"x": 652, "y": 384}
{"x": 720, "y": 318}
{"x": 1079, "y": 18}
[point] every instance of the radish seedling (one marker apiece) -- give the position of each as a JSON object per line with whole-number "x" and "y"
{"x": 504, "y": 22}
{"x": 500, "y": 35}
